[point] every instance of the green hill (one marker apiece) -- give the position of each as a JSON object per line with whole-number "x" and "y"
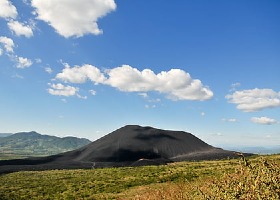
{"x": 26, "y": 144}
{"x": 5, "y": 134}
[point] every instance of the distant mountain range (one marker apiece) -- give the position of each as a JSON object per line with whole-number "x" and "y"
{"x": 5, "y": 134}
{"x": 25, "y": 144}
{"x": 256, "y": 149}
{"x": 131, "y": 145}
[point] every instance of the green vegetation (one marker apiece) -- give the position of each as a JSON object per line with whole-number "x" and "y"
{"x": 27, "y": 144}
{"x": 259, "y": 178}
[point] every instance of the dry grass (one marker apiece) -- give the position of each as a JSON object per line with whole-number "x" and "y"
{"x": 258, "y": 180}
{"x": 255, "y": 179}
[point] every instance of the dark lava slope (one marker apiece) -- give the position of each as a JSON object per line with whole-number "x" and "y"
{"x": 131, "y": 145}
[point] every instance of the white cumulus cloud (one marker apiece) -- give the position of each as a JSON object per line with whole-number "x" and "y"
{"x": 80, "y": 74}
{"x": 20, "y": 29}
{"x": 71, "y": 17}
{"x": 7, "y": 43}
{"x": 62, "y": 90}
{"x": 176, "y": 83}
{"x": 255, "y": 99}
{"x": 263, "y": 120}
{"x": 7, "y": 9}
{"x": 23, "y": 62}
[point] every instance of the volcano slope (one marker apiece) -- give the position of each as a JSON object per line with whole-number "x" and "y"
{"x": 131, "y": 145}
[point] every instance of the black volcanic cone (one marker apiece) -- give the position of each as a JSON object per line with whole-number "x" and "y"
{"x": 130, "y": 145}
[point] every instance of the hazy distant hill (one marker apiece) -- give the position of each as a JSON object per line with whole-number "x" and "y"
{"x": 5, "y": 134}
{"x": 257, "y": 149}
{"x": 34, "y": 144}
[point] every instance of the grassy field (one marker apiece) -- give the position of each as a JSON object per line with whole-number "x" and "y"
{"x": 259, "y": 178}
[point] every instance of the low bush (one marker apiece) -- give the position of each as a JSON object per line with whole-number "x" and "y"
{"x": 260, "y": 180}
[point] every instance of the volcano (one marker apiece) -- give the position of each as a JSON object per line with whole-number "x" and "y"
{"x": 131, "y": 145}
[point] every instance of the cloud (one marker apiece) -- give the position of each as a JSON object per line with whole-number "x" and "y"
{"x": 7, "y": 43}
{"x": 202, "y": 114}
{"x": 234, "y": 86}
{"x": 144, "y": 95}
{"x": 7, "y": 9}
{"x": 148, "y": 98}
{"x": 9, "y": 12}
{"x": 38, "y": 60}
{"x": 71, "y": 17}
{"x": 229, "y": 120}
{"x": 263, "y": 120}
{"x": 8, "y": 47}
{"x": 80, "y": 74}
{"x": 20, "y": 29}
{"x": 92, "y": 92}
{"x": 81, "y": 97}
{"x": 17, "y": 76}
{"x": 151, "y": 101}
{"x": 48, "y": 70}
{"x": 26, "y": 2}
{"x": 150, "y": 106}
{"x": 176, "y": 83}
{"x": 216, "y": 134}
{"x": 23, "y": 62}
{"x": 62, "y": 90}
{"x": 157, "y": 100}
{"x": 255, "y": 99}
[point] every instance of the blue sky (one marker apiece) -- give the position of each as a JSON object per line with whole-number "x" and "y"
{"x": 85, "y": 68}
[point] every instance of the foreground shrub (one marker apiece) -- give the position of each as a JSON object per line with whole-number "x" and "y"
{"x": 256, "y": 180}
{"x": 250, "y": 181}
